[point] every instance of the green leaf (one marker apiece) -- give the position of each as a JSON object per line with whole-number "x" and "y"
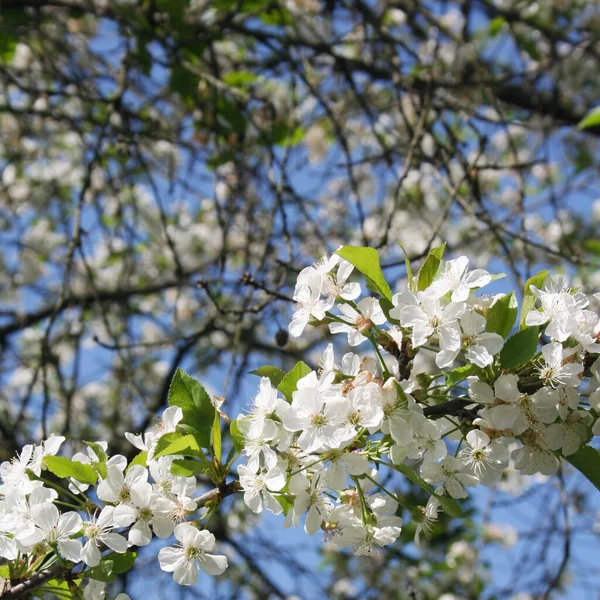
{"x": 592, "y": 246}
{"x": 176, "y": 443}
{"x": 519, "y": 348}
{"x": 236, "y": 436}
{"x": 140, "y": 459}
{"x": 285, "y": 503}
{"x": 430, "y": 267}
{"x": 65, "y": 468}
{"x": 288, "y": 384}
{"x": 99, "y": 451}
{"x": 183, "y": 82}
{"x": 592, "y": 119}
{"x": 198, "y": 410}
{"x": 278, "y": 16}
{"x": 229, "y": 114}
{"x": 275, "y": 374}
{"x": 241, "y": 6}
{"x": 366, "y": 260}
{"x": 175, "y": 9}
{"x": 587, "y": 461}
{"x": 461, "y": 373}
{"x": 216, "y": 437}
{"x": 56, "y": 587}
{"x": 220, "y": 158}
{"x": 386, "y": 306}
{"x": 189, "y": 468}
{"x": 450, "y": 505}
{"x": 121, "y": 562}
{"x": 241, "y": 79}
{"x": 496, "y": 26}
{"x": 284, "y": 134}
{"x": 528, "y": 297}
{"x": 8, "y": 46}
{"x": 103, "y": 571}
{"x": 501, "y": 316}
{"x": 409, "y": 271}
{"x": 101, "y": 469}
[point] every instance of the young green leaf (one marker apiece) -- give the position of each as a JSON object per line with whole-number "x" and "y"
{"x": 139, "y": 459}
{"x": 501, "y": 316}
{"x": 64, "y": 468}
{"x": 289, "y": 382}
{"x": 496, "y": 26}
{"x": 430, "y": 267}
{"x": 102, "y": 571}
{"x": 177, "y": 443}
{"x": 461, "y": 373}
{"x": 121, "y": 563}
{"x": 366, "y": 260}
{"x": 285, "y": 503}
{"x": 186, "y": 467}
{"x": 198, "y": 410}
{"x": 386, "y": 306}
{"x": 528, "y": 297}
{"x": 102, "y": 458}
{"x": 98, "y": 450}
{"x": 275, "y": 374}
{"x": 519, "y": 348}
{"x": 591, "y": 119}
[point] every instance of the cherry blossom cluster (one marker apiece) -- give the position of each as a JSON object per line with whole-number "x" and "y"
{"x": 131, "y": 504}
{"x": 443, "y": 389}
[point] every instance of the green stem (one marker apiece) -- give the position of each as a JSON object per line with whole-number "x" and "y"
{"x": 308, "y": 466}
{"x": 390, "y": 494}
{"x": 363, "y": 502}
{"x": 384, "y": 368}
{"x": 67, "y": 492}
{"x": 68, "y": 504}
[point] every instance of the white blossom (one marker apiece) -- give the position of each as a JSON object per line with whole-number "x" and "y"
{"x": 258, "y": 487}
{"x": 456, "y": 278}
{"x": 185, "y": 560}
{"x": 358, "y": 322}
{"x": 55, "y": 529}
{"x": 100, "y": 531}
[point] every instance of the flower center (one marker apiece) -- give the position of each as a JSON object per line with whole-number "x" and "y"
{"x": 354, "y": 418}
{"x": 91, "y": 531}
{"x": 52, "y": 536}
{"x": 192, "y": 553}
{"x": 124, "y": 494}
{"x": 478, "y": 455}
{"x": 145, "y": 514}
{"x": 318, "y": 420}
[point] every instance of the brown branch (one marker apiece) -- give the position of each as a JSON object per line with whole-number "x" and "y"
{"x": 19, "y": 590}
{"x": 456, "y": 407}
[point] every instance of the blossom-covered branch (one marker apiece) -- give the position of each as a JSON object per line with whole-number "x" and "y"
{"x": 480, "y": 392}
